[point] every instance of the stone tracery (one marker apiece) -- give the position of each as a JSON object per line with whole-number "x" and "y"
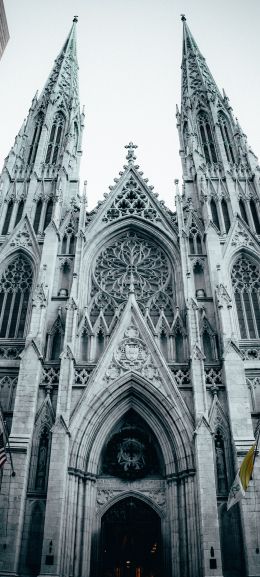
{"x": 132, "y": 262}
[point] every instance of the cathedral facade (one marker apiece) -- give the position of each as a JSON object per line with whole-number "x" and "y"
{"x": 129, "y": 347}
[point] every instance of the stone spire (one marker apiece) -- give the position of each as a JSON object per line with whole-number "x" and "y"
{"x": 63, "y": 79}
{"x": 197, "y": 80}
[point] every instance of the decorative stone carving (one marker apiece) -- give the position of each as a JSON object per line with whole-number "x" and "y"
{"x": 242, "y": 238}
{"x": 213, "y": 376}
{"x": 50, "y": 375}
{"x": 133, "y": 354}
{"x": 132, "y": 261}
{"x": 223, "y": 296}
{"x": 132, "y": 200}
{"x": 10, "y": 353}
{"x": 22, "y": 237}
{"x": 81, "y": 376}
{"x": 130, "y": 455}
{"x": 182, "y": 376}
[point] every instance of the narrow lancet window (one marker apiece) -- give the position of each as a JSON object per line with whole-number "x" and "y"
{"x": 207, "y": 139}
{"x": 226, "y": 137}
{"x": 225, "y": 213}
{"x": 214, "y": 212}
{"x": 55, "y": 139}
{"x": 243, "y": 210}
{"x": 8, "y": 217}
{"x": 36, "y": 138}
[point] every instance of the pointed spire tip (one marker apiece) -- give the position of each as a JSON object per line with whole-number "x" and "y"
{"x": 183, "y": 18}
{"x": 75, "y": 19}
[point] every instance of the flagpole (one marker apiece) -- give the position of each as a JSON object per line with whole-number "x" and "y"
{"x": 9, "y": 449}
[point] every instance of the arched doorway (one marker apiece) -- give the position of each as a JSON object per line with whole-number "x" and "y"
{"x": 131, "y": 540}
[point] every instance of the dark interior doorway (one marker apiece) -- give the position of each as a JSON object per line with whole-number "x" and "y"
{"x": 131, "y": 540}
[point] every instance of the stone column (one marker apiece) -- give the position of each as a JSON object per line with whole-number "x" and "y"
{"x": 241, "y": 429}
{"x": 20, "y": 443}
{"x": 55, "y": 515}
{"x": 90, "y": 518}
{"x": 173, "y": 514}
{"x": 204, "y": 455}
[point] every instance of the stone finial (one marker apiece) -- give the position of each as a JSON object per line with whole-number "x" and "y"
{"x": 130, "y": 157}
{"x": 75, "y": 19}
{"x": 183, "y": 18}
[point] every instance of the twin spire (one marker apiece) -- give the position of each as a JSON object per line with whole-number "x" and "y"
{"x": 63, "y": 79}
{"x": 197, "y": 80}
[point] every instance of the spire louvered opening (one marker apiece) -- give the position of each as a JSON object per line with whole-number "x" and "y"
{"x": 243, "y": 210}
{"x": 36, "y": 138}
{"x": 225, "y": 213}
{"x": 37, "y": 216}
{"x": 226, "y": 137}
{"x": 255, "y": 216}
{"x": 55, "y": 139}
{"x": 207, "y": 140}
{"x": 246, "y": 285}
{"x": 8, "y": 215}
{"x": 214, "y": 212}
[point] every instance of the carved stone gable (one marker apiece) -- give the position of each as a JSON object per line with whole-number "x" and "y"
{"x": 132, "y": 354}
{"x": 132, "y": 201}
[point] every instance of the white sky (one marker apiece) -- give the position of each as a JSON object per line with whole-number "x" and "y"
{"x": 129, "y": 54}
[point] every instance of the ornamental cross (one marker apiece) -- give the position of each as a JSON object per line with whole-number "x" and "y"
{"x": 130, "y": 157}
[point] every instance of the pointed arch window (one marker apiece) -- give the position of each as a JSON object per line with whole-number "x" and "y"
{"x": 76, "y": 137}
{"x": 243, "y": 211}
{"x": 226, "y": 137}
{"x": 208, "y": 346}
{"x": 55, "y": 139}
{"x": 48, "y": 213}
{"x": 8, "y": 215}
{"x": 19, "y": 213}
{"x": 57, "y": 344}
{"x": 255, "y": 216}
{"x": 37, "y": 216}
{"x": 221, "y": 468}
{"x": 195, "y": 241}
{"x": 207, "y": 139}
{"x": 214, "y": 212}
{"x": 246, "y": 285}
{"x": 225, "y": 213}
{"x": 85, "y": 342}
{"x": 36, "y": 138}
{"x": 42, "y": 460}
{"x": 15, "y": 290}
{"x": 68, "y": 241}
{"x": 100, "y": 343}
{"x": 179, "y": 347}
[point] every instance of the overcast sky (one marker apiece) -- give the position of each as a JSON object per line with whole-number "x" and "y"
{"x": 129, "y": 54}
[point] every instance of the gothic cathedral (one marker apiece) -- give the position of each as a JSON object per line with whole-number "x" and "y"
{"x": 129, "y": 347}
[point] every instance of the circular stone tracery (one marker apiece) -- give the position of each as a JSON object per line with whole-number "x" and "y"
{"x": 132, "y": 261}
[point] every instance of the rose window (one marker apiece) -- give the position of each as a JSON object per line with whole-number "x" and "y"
{"x": 132, "y": 262}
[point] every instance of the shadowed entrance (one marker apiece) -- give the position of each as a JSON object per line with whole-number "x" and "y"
{"x": 131, "y": 540}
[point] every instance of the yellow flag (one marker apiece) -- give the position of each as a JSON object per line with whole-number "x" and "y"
{"x": 246, "y": 467}
{"x": 243, "y": 476}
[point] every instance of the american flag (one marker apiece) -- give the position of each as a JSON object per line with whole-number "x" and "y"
{"x": 3, "y": 457}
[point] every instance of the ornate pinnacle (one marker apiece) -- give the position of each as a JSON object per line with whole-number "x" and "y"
{"x": 130, "y": 157}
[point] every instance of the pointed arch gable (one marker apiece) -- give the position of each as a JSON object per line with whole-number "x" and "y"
{"x": 131, "y": 493}
{"x": 90, "y": 430}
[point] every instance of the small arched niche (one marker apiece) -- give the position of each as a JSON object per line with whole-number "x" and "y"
{"x": 131, "y": 451}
